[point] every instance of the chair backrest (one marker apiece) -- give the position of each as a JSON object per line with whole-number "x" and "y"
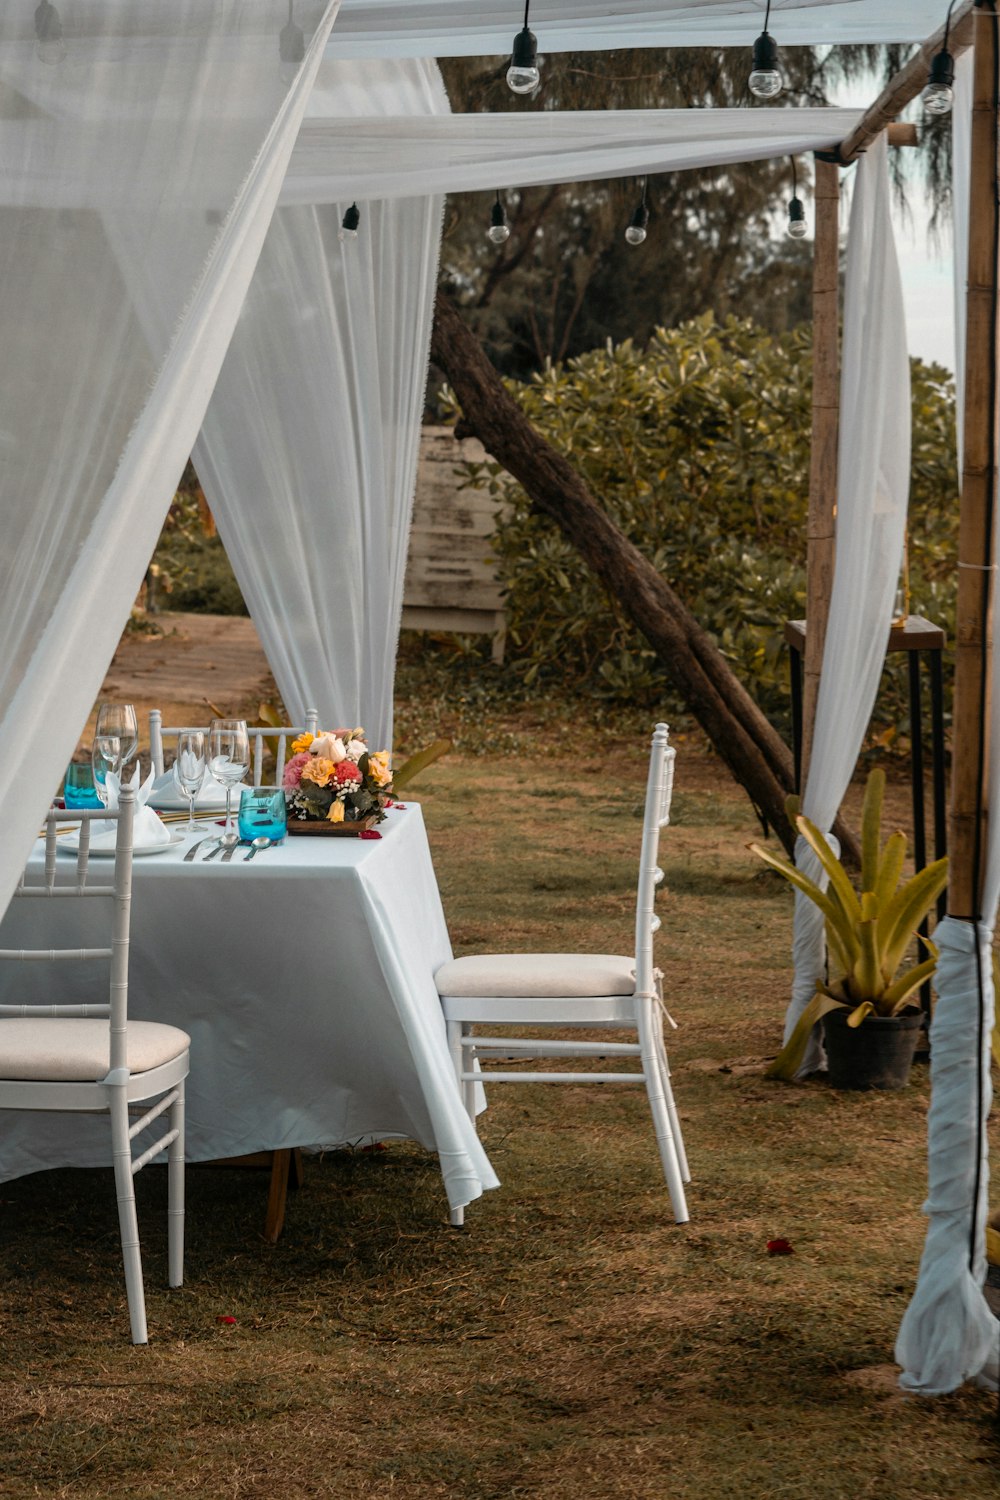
{"x": 659, "y": 790}
{"x": 80, "y": 881}
{"x": 281, "y": 734}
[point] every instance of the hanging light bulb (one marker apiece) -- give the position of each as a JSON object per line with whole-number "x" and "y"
{"x": 523, "y": 75}
{"x": 938, "y": 94}
{"x": 765, "y": 81}
{"x": 49, "y": 44}
{"x": 498, "y": 231}
{"x": 291, "y": 48}
{"x": 636, "y": 231}
{"x": 796, "y": 228}
{"x": 349, "y": 224}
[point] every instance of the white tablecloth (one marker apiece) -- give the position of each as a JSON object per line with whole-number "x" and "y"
{"x": 305, "y": 980}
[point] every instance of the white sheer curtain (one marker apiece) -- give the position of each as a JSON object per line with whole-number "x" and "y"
{"x": 949, "y": 1334}
{"x": 873, "y": 487}
{"x": 339, "y": 152}
{"x": 308, "y": 452}
{"x": 174, "y": 117}
{"x": 450, "y": 28}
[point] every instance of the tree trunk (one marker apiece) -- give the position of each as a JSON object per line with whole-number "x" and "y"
{"x": 755, "y": 753}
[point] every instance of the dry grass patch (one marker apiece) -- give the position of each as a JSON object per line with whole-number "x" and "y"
{"x": 571, "y": 1341}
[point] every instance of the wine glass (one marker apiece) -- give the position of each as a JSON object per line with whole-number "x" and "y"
{"x": 117, "y": 721}
{"x": 189, "y": 769}
{"x": 105, "y": 758}
{"x": 116, "y": 739}
{"x": 229, "y": 761}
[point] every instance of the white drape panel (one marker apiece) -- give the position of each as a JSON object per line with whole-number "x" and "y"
{"x": 308, "y": 452}
{"x": 451, "y": 28}
{"x": 948, "y": 1333}
{"x": 961, "y": 160}
{"x": 873, "y": 486}
{"x": 338, "y": 154}
{"x": 154, "y": 115}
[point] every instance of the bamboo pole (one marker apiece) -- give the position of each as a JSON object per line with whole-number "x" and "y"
{"x": 973, "y": 634}
{"x": 820, "y": 527}
{"x": 907, "y": 83}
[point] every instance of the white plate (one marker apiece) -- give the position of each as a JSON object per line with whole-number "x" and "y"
{"x": 169, "y": 799}
{"x": 71, "y": 845}
{"x": 164, "y": 802}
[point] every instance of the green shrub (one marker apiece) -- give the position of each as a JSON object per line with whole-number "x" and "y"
{"x": 698, "y": 447}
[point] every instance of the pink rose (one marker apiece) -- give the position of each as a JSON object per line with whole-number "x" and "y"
{"x": 293, "y": 768}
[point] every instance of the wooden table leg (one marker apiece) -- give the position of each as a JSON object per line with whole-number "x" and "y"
{"x": 278, "y": 1194}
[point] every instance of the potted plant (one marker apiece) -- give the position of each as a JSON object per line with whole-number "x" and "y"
{"x": 869, "y": 1009}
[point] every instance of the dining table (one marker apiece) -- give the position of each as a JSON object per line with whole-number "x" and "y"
{"x": 305, "y": 979}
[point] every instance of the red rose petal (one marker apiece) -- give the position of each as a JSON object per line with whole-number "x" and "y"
{"x": 225, "y": 1318}
{"x": 369, "y": 833}
{"x": 779, "y": 1247}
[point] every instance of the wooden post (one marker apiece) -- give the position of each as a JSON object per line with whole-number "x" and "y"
{"x": 823, "y": 457}
{"x": 974, "y": 623}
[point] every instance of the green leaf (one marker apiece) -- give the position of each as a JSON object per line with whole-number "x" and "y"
{"x": 906, "y": 910}
{"x": 419, "y": 762}
{"x": 789, "y": 1059}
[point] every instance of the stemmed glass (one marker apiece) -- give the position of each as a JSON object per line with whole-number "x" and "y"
{"x": 229, "y": 761}
{"x": 189, "y": 769}
{"x": 116, "y": 739}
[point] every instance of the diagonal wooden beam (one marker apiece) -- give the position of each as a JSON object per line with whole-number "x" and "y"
{"x": 907, "y": 83}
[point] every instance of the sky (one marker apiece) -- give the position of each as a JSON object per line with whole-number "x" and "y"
{"x": 927, "y": 292}
{"x": 925, "y": 265}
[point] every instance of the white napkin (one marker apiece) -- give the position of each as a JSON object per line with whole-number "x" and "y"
{"x": 147, "y": 828}
{"x": 166, "y": 793}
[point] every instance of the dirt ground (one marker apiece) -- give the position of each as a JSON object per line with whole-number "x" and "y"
{"x": 201, "y": 665}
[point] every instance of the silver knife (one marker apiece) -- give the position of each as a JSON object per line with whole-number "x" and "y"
{"x": 195, "y": 847}
{"x": 230, "y": 851}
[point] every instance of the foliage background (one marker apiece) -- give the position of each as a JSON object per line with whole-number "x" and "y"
{"x": 698, "y": 446}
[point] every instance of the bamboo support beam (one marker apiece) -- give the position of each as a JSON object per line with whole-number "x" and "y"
{"x": 973, "y": 635}
{"x": 907, "y": 83}
{"x": 821, "y": 523}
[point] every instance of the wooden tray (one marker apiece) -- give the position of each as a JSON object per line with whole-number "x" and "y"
{"x": 334, "y": 830}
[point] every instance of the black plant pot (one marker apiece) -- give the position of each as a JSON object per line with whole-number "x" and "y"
{"x": 878, "y": 1054}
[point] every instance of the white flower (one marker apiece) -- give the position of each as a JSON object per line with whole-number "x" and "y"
{"x": 355, "y": 749}
{"x": 329, "y": 747}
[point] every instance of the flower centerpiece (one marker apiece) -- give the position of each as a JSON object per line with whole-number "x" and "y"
{"x": 334, "y": 784}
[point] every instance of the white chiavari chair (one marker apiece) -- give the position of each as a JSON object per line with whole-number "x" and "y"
{"x": 63, "y": 1056}
{"x": 263, "y": 738}
{"x": 577, "y": 989}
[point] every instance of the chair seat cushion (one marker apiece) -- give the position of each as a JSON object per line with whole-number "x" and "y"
{"x": 69, "y": 1050}
{"x": 536, "y": 975}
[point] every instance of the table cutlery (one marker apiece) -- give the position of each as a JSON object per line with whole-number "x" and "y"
{"x": 230, "y": 851}
{"x": 256, "y": 845}
{"x": 195, "y": 847}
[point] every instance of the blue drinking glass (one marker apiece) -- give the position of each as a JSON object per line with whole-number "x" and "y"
{"x": 78, "y": 786}
{"x": 262, "y": 813}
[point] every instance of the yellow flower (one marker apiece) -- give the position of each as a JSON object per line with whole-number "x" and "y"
{"x": 378, "y": 767}
{"x": 336, "y": 813}
{"x": 318, "y": 770}
{"x": 302, "y": 743}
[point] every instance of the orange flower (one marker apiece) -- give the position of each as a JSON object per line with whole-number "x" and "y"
{"x": 336, "y": 813}
{"x": 378, "y": 767}
{"x": 318, "y": 770}
{"x": 302, "y": 743}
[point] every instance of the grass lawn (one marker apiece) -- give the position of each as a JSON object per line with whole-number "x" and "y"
{"x": 571, "y": 1341}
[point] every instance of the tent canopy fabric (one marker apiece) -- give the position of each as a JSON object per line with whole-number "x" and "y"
{"x": 360, "y": 157}
{"x": 457, "y": 28}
